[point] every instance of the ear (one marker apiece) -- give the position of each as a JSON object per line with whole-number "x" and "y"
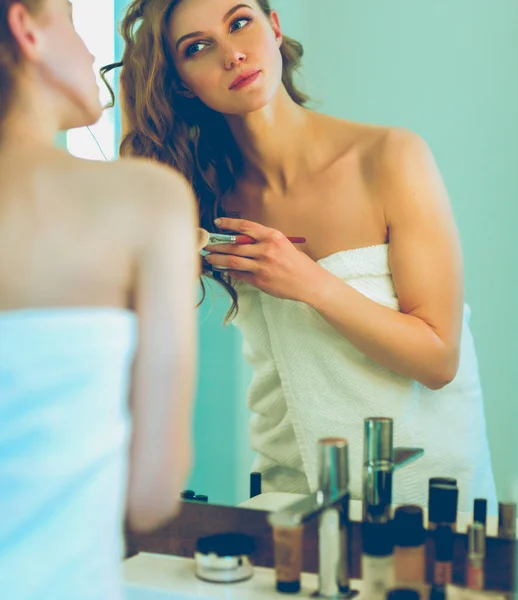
{"x": 25, "y": 30}
{"x": 184, "y": 91}
{"x": 276, "y": 26}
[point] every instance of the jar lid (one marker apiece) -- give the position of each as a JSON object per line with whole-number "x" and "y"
{"x": 403, "y": 594}
{"x": 224, "y": 557}
{"x": 226, "y": 544}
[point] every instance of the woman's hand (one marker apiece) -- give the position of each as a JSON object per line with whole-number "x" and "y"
{"x": 273, "y": 264}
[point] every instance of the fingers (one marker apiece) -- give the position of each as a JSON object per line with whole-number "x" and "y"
{"x": 247, "y": 250}
{"x": 255, "y": 230}
{"x": 233, "y": 262}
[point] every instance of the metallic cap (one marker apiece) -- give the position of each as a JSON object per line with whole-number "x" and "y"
{"x": 378, "y": 442}
{"x": 507, "y": 520}
{"x": 333, "y": 466}
{"x": 476, "y": 539}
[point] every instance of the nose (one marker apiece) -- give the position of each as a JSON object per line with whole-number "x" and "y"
{"x": 233, "y": 57}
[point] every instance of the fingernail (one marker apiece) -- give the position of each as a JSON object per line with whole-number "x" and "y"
{"x": 217, "y": 221}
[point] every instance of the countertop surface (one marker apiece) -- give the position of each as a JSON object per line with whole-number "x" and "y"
{"x": 177, "y": 576}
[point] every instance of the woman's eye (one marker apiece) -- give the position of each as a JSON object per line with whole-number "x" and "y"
{"x": 194, "y": 49}
{"x": 240, "y": 23}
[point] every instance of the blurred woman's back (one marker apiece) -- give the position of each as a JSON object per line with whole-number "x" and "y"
{"x": 98, "y": 273}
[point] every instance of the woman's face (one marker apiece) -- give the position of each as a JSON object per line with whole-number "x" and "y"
{"x": 215, "y": 42}
{"x": 63, "y": 63}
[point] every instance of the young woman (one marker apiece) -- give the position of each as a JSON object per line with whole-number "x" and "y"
{"x": 364, "y": 319}
{"x": 98, "y": 272}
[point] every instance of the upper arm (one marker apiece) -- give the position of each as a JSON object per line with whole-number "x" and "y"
{"x": 167, "y": 268}
{"x": 425, "y": 253}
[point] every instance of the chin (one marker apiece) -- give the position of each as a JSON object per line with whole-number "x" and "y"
{"x": 84, "y": 118}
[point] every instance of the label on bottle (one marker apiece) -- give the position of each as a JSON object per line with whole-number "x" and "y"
{"x": 378, "y": 576}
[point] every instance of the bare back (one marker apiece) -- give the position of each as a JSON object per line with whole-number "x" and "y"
{"x": 69, "y": 230}
{"x": 76, "y": 233}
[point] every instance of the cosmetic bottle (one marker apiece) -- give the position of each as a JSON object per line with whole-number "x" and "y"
{"x": 442, "y": 507}
{"x": 443, "y": 564}
{"x": 255, "y": 484}
{"x": 378, "y": 469}
{"x": 480, "y": 511}
{"x": 288, "y": 534}
{"x": 507, "y": 520}
{"x": 476, "y": 557}
{"x": 409, "y": 548}
{"x": 377, "y": 560}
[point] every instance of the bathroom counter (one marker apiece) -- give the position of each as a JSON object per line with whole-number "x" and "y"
{"x": 155, "y": 576}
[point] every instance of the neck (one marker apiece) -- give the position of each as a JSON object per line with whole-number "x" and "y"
{"x": 273, "y": 142}
{"x": 31, "y": 121}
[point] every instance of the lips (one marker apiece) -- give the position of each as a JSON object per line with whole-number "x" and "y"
{"x": 243, "y": 77}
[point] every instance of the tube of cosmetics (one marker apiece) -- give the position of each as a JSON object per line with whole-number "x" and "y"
{"x": 409, "y": 548}
{"x": 442, "y": 506}
{"x": 476, "y": 557}
{"x": 377, "y": 560}
{"x": 287, "y": 537}
{"x": 507, "y": 520}
{"x": 443, "y": 565}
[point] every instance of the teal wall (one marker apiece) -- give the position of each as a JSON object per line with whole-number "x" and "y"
{"x": 449, "y": 71}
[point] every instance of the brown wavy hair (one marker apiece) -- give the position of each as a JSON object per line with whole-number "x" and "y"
{"x": 166, "y": 126}
{"x": 10, "y": 54}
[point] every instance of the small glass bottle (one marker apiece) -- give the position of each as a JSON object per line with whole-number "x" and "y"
{"x": 377, "y": 560}
{"x": 476, "y": 557}
{"x": 443, "y": 565}
{"x": 409, "y": 548}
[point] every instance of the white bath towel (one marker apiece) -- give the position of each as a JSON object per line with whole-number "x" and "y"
{"x": 64, "y": 429}
{"x": 310, "y": 382}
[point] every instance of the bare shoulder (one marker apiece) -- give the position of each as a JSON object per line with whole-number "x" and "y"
{"x": 378, "y": 149}
{"x": 132, "y": 185}
{"x": 142, "y": 179}
{"x": 397, "y": 149}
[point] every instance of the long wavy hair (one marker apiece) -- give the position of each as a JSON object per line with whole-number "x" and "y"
{"x": 165, "y": 125}
{"x": 10, "y": 55}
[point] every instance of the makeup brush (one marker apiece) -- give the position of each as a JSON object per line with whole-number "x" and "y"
{"x": 203, "y": 238}
{"x": 216, "y": 239}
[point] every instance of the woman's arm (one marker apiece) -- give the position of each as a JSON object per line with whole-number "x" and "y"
{"x": 422, "y": 341}
{"x": 165, "y": 369}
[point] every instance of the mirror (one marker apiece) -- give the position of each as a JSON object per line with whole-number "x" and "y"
{"x": 448, "y": 72}
{"x": 453, "y": 80}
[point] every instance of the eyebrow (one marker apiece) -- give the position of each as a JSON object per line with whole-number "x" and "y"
{"x": 225, "y": 18}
